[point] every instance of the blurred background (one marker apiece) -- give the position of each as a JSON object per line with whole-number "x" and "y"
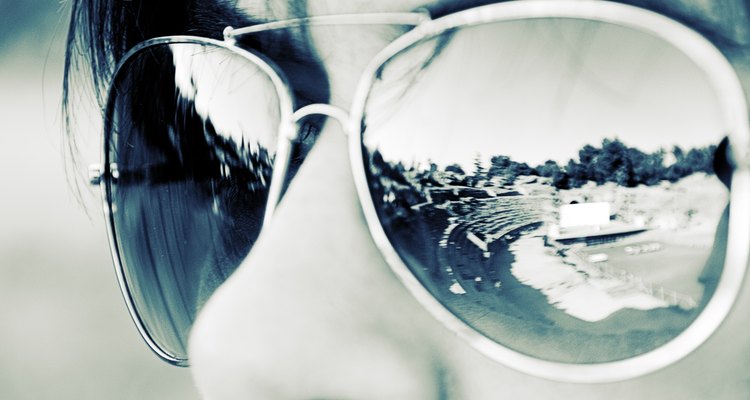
{"x": 65, "y": 331}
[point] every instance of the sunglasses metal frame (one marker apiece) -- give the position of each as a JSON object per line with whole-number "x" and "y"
{"x": 703, "y": 53}
{"x": 108, "y": 170}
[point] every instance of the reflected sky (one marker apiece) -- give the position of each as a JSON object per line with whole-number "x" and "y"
{"x": 230, "y": 91}
{"x": 555, "y": 82}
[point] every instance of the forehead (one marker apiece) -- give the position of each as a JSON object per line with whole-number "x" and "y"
{"x": 275, "y": 9}
{"x": 723, "y": 21}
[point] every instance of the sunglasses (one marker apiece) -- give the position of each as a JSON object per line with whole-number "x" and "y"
{"x": 548, "y": 178}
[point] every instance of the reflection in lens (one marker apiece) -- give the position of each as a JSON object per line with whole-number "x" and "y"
{"x": 550, "y": 182}
{"x": 190, "y": 151}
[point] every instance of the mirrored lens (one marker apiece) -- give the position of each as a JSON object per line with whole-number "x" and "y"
{"x": 190, "y": 149}
{"x": 551, "y": 183}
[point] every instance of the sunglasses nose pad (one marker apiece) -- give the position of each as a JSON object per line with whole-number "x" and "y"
{"x": 320, "y": 109}
{"x": 293, "y": 148}
{"x": 723, "y": 163}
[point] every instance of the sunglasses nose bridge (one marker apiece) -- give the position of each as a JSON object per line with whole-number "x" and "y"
{"x": 328, "y": 110}
{"x": 288, "y": 135}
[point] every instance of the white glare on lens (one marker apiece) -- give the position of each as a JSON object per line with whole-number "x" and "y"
{"x": 238, "y": 98}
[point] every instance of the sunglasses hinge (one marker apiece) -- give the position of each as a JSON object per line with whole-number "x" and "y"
{"x": 96, "y": 173}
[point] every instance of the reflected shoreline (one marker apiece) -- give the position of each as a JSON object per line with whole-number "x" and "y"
{"x": 539, "y": 329}
{"x": 518, "y": 315}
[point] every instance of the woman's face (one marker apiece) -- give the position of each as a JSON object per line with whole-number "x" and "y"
{"x": 314, "y": 311}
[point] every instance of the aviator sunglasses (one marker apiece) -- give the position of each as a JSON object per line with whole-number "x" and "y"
{"x": 549, "y": 179}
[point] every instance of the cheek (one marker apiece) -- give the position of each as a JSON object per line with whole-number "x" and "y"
{"x": 315, "y": 304}
{"x": 720, "y": 368}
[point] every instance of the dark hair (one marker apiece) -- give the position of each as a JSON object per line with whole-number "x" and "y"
{"x": 102, "y": 31}
{"x": 208, "y": 191}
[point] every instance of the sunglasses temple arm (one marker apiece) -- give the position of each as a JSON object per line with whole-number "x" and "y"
{"x": 392, "y": 18}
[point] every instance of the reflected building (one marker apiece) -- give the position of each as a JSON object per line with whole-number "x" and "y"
{"x": 589, "y": 224}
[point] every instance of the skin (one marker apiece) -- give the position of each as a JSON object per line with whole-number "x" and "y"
{"x": 315, "y": 312}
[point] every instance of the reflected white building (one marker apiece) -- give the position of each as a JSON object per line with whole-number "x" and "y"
{"x": 590, "y": 224}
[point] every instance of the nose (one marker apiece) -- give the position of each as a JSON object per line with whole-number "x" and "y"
{"x": 314, "y": 311}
